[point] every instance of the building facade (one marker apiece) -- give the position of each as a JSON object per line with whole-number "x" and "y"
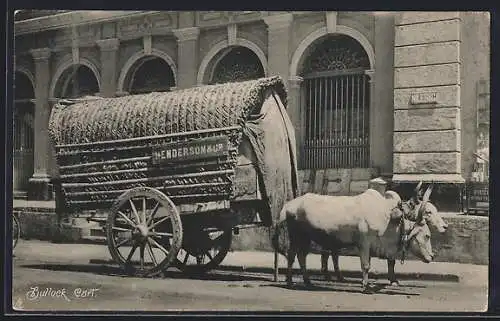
{"x": 402, "y": 95}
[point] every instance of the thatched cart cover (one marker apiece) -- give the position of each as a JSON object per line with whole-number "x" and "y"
{"x": 82, "y": 129}
{"x": 160, "y": 113}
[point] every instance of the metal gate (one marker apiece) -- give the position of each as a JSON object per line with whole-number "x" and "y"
{"x": 23, "y": 150}
{"x": 337, "y": 120}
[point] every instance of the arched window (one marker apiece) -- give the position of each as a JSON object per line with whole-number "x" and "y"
{"x": 237, "y": 64}
{"x": 336, "y": 91}
{"x": 77, "y": 81}
{"x": 23, "y": 136}
{"x": 150, "y": 74}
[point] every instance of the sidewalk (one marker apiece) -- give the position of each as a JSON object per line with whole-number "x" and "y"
{"x": 263, "y": 262}
{"x": 20, "y": 203}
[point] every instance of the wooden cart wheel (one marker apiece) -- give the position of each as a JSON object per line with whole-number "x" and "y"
{"x": 16, "y": 231}
{"x": 146, "y": 219}
{"x": 205, "y": 251}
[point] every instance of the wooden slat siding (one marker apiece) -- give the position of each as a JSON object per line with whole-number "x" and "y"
{"x": 93, "y": 175}
{"x": 109, "y": 162}
{"x": 146, "y": 169}
{"x": 149, "y": 179}
{"x": 72, "y": 151}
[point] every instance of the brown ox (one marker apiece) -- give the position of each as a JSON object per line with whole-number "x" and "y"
{"x": 371, "y": 222}
{"x": 418, "y": 203}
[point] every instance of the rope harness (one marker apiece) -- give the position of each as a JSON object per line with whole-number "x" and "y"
{"x": 404, "y": 239}
{"x": 405, "y": 236}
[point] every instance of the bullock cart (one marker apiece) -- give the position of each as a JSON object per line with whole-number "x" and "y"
{"x": 171, "y": 176}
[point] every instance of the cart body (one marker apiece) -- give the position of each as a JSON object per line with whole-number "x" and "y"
{"x": 224, "y": 155}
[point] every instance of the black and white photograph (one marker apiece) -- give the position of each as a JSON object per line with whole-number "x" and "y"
{"x": 250, "y": 161}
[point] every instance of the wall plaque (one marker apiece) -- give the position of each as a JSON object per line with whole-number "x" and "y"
{"x": 478, "y": 200}
{"x": 424, "y": 98}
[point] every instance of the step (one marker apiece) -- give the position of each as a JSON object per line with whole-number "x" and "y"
{"x": 20, "y": 195}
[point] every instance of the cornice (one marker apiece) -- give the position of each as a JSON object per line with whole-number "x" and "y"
{"x": 279, "y": 21}
{"x": 74, "y": 18}
{"x": 186, "y": 34}
{"x": 40, "y": 54}
{"x": 108, "y": 44}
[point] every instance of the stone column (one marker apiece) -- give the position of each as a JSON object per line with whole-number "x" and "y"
{"x": 278, "y": 52}
{"x": 109, "y": 50}
{"x": 39, "y": 183}
{"x": 187, "y": 56}
{"x": 372, "y": 111}
{"x": 294, "y": 111}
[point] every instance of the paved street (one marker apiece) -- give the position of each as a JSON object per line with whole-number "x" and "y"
{"x": 84, "y": 280}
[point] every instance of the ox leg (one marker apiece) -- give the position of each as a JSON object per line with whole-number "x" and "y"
{"x": 301, "y": 256}
{"x": 324, "y": 265}
{"x": 338, "y": 273}
{"x": 364, "y": 255}
{"x": 390, "y": 272}
{"x": 291, "y": 259}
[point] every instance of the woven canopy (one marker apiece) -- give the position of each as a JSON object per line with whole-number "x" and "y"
{"x": 159, "y": 113}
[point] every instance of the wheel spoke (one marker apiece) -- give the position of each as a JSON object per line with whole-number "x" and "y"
{"x": 185, "y": 258}
{"x": 121, "y": 229}
{"x": 125, "y": 217}
{"x": 151, "y": 254}
{"x": 141, "y": 251}
{"x": 209, "y": 255}
{"x": 153, "y": 234}
{"x": 159, "y": 221}
{"x": 153, "y": 213}
{"x": 132, "y": 205}
{"x": 144, "y": 210}
{"x": 123, "y": 241}
{"x": 132, "y": 251}
{"x": 158, "y": 245}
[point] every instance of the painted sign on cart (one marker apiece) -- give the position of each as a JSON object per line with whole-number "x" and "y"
{"x": 190, "y": 150}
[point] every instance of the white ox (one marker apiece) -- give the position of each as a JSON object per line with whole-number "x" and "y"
{"x": 371, "y": 222}
{"x": 417, "y": 203}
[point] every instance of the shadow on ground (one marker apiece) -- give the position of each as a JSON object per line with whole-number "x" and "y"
{"x": 353, "y": 286}
{"x": 348, "y": 285}
{"x": 108, "y": 270}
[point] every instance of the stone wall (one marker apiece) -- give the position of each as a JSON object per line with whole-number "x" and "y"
{"x": 427, "y": 138}
{"x": 465, "y": 241}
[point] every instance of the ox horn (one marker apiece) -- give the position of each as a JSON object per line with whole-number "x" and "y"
{"x": 427, "y": 193}
{"x": 423, "y": 204}
{"x": 418, "y": 192}
{"x": 419, "y": 186}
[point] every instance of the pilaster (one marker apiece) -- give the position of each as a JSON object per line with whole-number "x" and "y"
{"x": 39, "y": 183}
{"x": 187, "y": 46}
{"x": 372, "y": 111}
{"x": 279, "y": 34}
{"x": 431, "y": 152}
{"x": 294, "y": 110}
{"x": 109, "y": 51}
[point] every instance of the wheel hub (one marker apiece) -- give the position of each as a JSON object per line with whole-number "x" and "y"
{"x": 142, "y": 231}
